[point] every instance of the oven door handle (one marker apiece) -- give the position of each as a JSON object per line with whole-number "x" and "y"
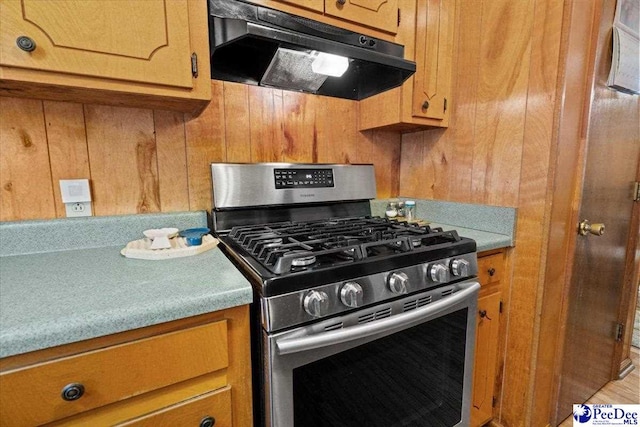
{"x": 400, "y": 321}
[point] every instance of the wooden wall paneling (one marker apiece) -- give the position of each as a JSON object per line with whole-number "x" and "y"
{"x": 386, "y": 158}
{"x": 267, "y": 123}
{"x": 300, "y": 142}
{"x": 25, "y": 173}
{"x": 501, "y": 101}
{"x": 237, "y": 118}
{"x": 412, "y": 171}
{"x": 205, "y": 144}
{"x": 535, "y": 192}
{"x": 122, "y": 157}
{"x": 171, "y": 150}
{"x": 569, "y": 154}
{"x": 465, "y": 79}
{"x": 336, "y": 131}
{"x": 67, "y": 140}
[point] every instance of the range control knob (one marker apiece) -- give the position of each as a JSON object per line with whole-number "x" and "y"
{"x": 316, "y": 303}
{"x": 460, "y": 267}
{"x": 351, "y": 294}
{"x": 398, "y": 283}
{"x": 438, "y": 273}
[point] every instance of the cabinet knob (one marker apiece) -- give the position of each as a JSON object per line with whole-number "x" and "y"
{"x": 341, "y": 2}
{"x": 491, "y": 271}
{"x": 26, "y": 43}
{"x": 73, "y": 391}
{"x": 425, "y": 105}
{"x": 483, "y": 314}
{"x": 207, "y": 422}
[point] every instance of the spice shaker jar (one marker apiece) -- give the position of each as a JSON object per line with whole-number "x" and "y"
{"x": 410, "y": 210}
{"x": 392, "y": 210}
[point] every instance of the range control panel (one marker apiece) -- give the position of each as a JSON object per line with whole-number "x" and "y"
{"x": 303, "y": 178}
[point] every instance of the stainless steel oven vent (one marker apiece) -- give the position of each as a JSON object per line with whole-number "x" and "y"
{"x": 376, "y": 315}
{"x": 412, "y": 305}
{"x": 333, "y": 326}
{"x": 447, "y": 292}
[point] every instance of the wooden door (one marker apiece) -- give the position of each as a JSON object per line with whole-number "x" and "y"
{"x": 139, "y": 41}
{"x": 378, "y": 14}
{"x": 596, "y": 290}
{"x": 484, "y": 369}
{"x": 434, "y": 39}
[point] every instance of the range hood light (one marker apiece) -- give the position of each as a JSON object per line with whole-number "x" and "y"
{"x": 329, "y": 64}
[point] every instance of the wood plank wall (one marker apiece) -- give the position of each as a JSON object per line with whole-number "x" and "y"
{"x": 141, "y": 160}
{"x": 499, "y": 150}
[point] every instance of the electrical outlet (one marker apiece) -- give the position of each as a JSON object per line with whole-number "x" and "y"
{"x": 78, "y": 209}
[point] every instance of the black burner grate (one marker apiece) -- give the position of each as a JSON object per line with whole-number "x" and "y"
{"x": 285, "y": 247}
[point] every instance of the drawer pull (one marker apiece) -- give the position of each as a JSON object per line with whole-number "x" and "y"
{"x": 73, "y": 391}
{"x": 26, "y": 43}
{"x": 208, "y": 422}
{"x": 491, "y": 271}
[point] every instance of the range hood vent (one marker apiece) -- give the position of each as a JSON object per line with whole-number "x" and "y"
{"x": 259, "y": 46}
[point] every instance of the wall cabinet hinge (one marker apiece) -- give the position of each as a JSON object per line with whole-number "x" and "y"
{"x": 194, "y": 65}
{"x": 636, "y": 191}
{"x": 493, "y": 402}
{"x": 445, "y": 104}
{"x": 398, "y": 17}
{"x": 500, "y": 308}
{"x": 619, "y": 331}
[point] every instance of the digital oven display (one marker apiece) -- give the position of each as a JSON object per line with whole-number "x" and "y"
{"x": 303, "y": 178}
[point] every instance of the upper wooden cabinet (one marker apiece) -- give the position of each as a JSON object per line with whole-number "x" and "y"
{"x": 377, "y": 18}
{"x": 142, "y": 48}
{"x": 381, "y": 14}
{"x": 426, "y": 31}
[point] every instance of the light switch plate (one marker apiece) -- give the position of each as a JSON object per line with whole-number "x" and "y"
{"x": 75, "y": 190}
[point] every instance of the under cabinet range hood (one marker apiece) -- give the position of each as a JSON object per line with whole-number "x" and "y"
{"x": 260, "y": 46}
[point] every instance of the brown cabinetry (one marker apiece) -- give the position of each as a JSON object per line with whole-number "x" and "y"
{"x": 490, "y": 272}
{"x": 100, "y": 51}
{"x": 373, "y": 17}
{"x": 426, "y": 31}
{"x": 176, "y": 376}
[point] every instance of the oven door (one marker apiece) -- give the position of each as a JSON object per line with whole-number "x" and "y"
{"x": 404, "y": 363}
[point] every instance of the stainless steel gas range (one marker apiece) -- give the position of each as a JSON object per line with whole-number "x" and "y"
{"x": 357, "y": 320}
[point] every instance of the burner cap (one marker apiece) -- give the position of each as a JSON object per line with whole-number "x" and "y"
{"x": 270, "y": 243}
{"x": 305, "y": 259}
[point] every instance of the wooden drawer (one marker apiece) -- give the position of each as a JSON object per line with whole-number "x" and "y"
{"x": 490, "y": 268}
{"x": 216, "y": 405}
{"x": 32, "y": 395}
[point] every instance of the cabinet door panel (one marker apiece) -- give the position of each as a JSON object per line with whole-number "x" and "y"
{"x": 216, "y": 405}
{"x": 146, "y": 41}
{"x": 317, "y": 5}
{"x": 432, "y": 79}
{"x": 488, "y": 325}
{"x": 379, "y": 14}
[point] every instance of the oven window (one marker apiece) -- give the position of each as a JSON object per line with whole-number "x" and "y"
{"x": 411, "y": 378}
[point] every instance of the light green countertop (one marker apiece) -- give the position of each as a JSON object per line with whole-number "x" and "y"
{"x": 63, "y": 296}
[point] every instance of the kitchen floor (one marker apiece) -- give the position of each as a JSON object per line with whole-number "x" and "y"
{"x": 623, "y": 391}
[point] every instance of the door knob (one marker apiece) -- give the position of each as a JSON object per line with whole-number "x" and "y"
{"x": 585, "y": 227}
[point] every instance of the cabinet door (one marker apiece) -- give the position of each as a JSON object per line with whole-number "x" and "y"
{"x": 379, "y": 14}
{"x": 209, "y": 409}
{"x": 317, "y": 5}
{"x": 488, "y": 322}
{"x": 434, "y": 41}
{"x": 137, "y": 41}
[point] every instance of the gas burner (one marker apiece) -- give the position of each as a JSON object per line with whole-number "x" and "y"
{"x": 302, "y": 258}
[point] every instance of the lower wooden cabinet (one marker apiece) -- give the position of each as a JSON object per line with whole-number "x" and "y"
{"x": 490, "y": 272}
{"x": 190, "y": 372}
